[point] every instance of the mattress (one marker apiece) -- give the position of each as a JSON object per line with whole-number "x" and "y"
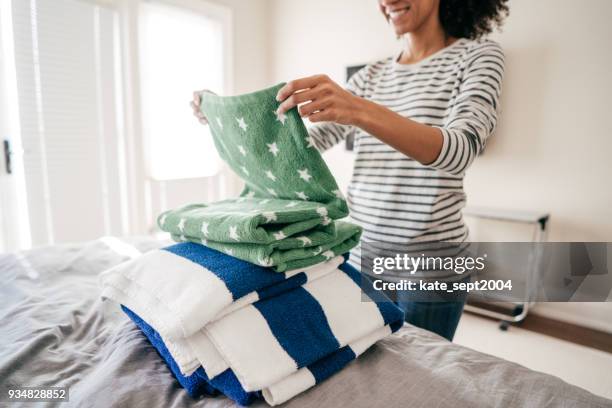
{"x": 56, "y": 332}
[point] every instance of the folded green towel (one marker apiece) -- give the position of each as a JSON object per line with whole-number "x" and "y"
{"x": 285, "y": 215}
{"x": 310, "y": 248}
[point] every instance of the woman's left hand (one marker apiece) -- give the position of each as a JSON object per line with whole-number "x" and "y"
{"x": 320, "y": 100}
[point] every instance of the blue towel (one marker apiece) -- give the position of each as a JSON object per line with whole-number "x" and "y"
{"x": 198, "y": 383}
{"x": 186, "y": 286}
{"x": 223, "y": 325}
{"x": 309, "y": 349}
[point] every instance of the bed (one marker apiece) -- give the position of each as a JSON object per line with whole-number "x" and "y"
{"x": 55, "y": 331}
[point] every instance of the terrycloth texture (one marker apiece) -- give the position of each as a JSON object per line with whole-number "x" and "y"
{"x": 285, "y": 216}
{"x": 186, "y": 286}
{"x": 300, "y": 241}
{"x": 199, "y": 383}
{"x": 279, "y": 337}
{"x": 272, "y": 153}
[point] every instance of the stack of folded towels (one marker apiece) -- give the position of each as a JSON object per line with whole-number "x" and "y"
{"x": 257, "y": 300}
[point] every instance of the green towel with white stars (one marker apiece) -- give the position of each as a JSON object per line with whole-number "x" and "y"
{"x": 286, "y": 215}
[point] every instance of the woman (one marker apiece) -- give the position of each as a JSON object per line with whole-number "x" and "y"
{"x": 419, "y": 119}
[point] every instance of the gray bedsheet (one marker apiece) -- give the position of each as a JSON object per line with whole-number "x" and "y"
{"x": 55, "y": 331}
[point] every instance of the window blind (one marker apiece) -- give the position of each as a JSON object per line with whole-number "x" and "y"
{"x": 66, "y": 83}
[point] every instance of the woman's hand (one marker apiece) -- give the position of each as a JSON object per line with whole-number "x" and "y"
{"x": 195, "y": 105}
{"x": 320, "y": 99}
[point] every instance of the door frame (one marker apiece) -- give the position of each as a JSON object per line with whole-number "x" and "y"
{"x": 14, "y": 220}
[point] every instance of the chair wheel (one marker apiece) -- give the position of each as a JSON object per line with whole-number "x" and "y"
{"x": 518, "y": 309}
{"x": 503, "y": 326}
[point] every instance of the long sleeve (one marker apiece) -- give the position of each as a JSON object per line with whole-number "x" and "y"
{"x": 326, "y": 135}
{"x": 473, "y": 116}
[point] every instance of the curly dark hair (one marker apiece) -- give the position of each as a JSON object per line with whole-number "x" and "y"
{"x": 472, "y": 18}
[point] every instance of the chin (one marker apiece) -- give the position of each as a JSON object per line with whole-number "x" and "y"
{"x": 403, "y": 29}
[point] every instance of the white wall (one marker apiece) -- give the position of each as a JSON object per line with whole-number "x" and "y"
{"x": 551, "y": 151}
{"x": 318, "y": 36}
{"x": 251, "y": 43}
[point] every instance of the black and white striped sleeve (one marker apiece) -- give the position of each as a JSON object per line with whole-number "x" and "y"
{"x": 326, "y": 135}
{"x": 473, "y": 116}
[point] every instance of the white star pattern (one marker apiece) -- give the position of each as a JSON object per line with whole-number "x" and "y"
{"x": 219, "y": 123}
{"x": 310, "y": 142}
{"x": 301, "y": 195}
{"x": 317, "y": 251}
{"x": 204, "y": 229}
{"x": 233, "y": 233}
{"x": 281, "y": 117}
{"x": 229, "y": 251}
{"x": 182, "y": 238}
{"x": 241, "y": 149}
{"x": 304, "y": 175}
{"x": 181, "y": 225}
{"x": 279, "y": 235}
{"x": 270, "y": 216}
{"x": 244, "y": 169}
{"x": 328, "y": 255}
{"x": 242, "y": 123}
{"x": 267, "y": 262}
{"x": 273, "y": 148}
{"x": 338, "y": 194}
{"x": 270, "y": 175}
{"x": 322, "y": 211}
{"x": 305, "y": 240}
{"x": 291, "y": 204}
{"x": 326, "y": 221}
{"x": 204, "y": 241}
{"x": 271, "y": 191}
{"x": 250, "y": 194}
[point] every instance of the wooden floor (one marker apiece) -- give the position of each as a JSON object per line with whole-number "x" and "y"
{"x": 573, "y": 333}
{"x": 569, "y": 332}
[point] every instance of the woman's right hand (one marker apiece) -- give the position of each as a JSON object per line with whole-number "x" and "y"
{"x": 195, "y": 105}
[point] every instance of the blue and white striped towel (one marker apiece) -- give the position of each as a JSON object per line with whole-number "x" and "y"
{"x": 268, "y": 344}
{"x": 185, "y": 286}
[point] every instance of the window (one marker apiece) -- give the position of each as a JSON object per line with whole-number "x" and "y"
{"x": 65, "y": 62}
{"x": 181, "y": 51}
{"x": 97, "y": 94}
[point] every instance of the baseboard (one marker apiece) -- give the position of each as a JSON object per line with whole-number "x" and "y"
{"x": 563, "y": 330}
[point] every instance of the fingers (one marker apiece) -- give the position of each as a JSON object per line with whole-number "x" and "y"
{"x": 198, "y": 113}
{"x": 299, "y": 84}
{"x": 195, "y": 105}
{"x": 297, "y": 98}
{"x": 196, "y": 97}
{"x": 325, "y": 115}
{"x": 318, "y": 105}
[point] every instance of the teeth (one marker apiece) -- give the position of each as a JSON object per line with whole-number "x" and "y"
{"x": 397, "y": 13}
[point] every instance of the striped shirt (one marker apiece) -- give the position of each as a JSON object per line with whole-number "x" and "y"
{"x": 393, "y": 197}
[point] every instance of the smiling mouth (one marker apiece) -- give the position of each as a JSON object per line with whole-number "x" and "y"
{"x": 394, "y": 14}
